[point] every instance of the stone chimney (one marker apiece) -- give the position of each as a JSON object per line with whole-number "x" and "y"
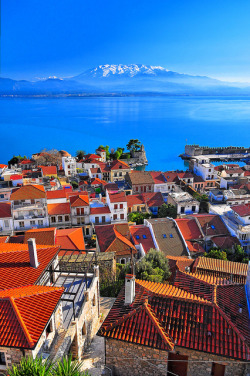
{"x": 33, "y": 253}
{"x": 129, "y": 288}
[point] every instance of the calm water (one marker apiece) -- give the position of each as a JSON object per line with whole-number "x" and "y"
{"x": 163, "y": 124}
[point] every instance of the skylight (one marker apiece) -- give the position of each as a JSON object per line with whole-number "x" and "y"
{"x": 164, "y": 235}
{"x": 171, "y": 235}
{"x": 137, "y": 237}
{"x": 212, "y": 226}
{"x": 144, "y": 236}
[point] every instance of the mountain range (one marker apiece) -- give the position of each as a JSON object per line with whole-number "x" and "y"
{"x": 135, "y": 79}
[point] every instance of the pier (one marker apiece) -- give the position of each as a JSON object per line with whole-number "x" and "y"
{"x": 228, "y": 153}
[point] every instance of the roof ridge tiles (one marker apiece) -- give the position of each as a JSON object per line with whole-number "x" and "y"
{"x": 166, "y": 338}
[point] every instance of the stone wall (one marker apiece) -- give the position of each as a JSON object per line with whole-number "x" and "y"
{"x": 127, "y": 359}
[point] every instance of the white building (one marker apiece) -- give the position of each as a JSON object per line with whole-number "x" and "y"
{"x": 6, "y": 221}
{"x": 184, "y": 202}
{"x": 117, "y": 203}
{"x": 69, "y": 166}
{"x": 29, "y": 207}
{"x": 202, "y": 167}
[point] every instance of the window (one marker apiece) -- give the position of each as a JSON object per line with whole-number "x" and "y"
{"x": 66, "y": 218}
{"x": 122, "y": 216}
{"x": 120, "y": 173}
{"x": 32, "y": 223}
{"x": 182, "y": 209}
{"x": 6, "y": 223}
{"x": 144, "y": 236}
{"x": 115, "y": 174}
{"x": 115, "y": 217}
{"x": 1, "y": 196}
{"x": 137, "y": 189}
{"x": 171, "y": 235}
{"x": 21, "y": 224}
{"x": 49, "y": 328}
{"x": 53, "y": 219}
{"x": 193, "y": 208}
{"x": 60, "y": 218}
{"x": 40, "y": 222}
{"x": 212, "y": 226}
{"x": 32, "y": 201}
{"x": 121, "y": 206}
{"x": 164, "y": 236}
{"x": 2, "y": 359}
{"x": 137, "y": 237}
{"x": 84, "y": 332}
{"x": 116, "y": 206}
{"x": 96, "y": 220}
{"x": 103, "y": 219}
{"x": 218, "y": 369}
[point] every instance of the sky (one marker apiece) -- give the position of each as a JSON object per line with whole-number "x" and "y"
{"x": 41, "y": 38}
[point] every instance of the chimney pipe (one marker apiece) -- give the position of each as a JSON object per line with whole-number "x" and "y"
{"x": 33, "y": 253}
{"x": 129, "y": 288}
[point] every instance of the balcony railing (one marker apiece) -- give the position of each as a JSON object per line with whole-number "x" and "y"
{"x": 29, "y": 205}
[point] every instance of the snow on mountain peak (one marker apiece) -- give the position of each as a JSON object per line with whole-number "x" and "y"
{"x": 128, "y": 70}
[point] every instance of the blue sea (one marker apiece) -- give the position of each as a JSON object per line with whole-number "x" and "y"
{"x": 163, "y": 124}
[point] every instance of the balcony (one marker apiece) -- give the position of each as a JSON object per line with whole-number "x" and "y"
{"x": 32, "y": 216}
{"x": 29, "y": 205}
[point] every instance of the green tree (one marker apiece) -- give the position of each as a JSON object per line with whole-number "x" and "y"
{"x": 216, "y": 253}
{"x": 133, "y": 145}
{"x": 167, "y": 210}
{"x": 118, "y": 153}
{"x": 237, "y": 255}
{"x": 138, "y": 217}
{"x": 80, "y": 154}
{"x": 153, "y": 267}
{"x": 68, "y": 367}
{"x": 74, "y": 184}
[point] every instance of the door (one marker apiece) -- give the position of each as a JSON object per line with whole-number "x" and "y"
{"x": 177, "y": 365}
{"x": 218, "y": 369}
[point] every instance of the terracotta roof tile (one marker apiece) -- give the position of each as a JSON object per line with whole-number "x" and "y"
{"x": 70, "y": 238}
{"x": 25, "y": 312}
{"x": 28, "y": 192}
{"x": 5, "y": 210}
{"x": 15, "y": 269}
{"x": 100, "y": 210}
{"x": 142, "y": 235}
{"x": 241, "y": 210}
{"x": 60, "y": 208}
{"x": 44, "y": 236}
{"x": 49, "y": 170}
{"x": 79, "y": 200}
{"x": 59, "y": 193}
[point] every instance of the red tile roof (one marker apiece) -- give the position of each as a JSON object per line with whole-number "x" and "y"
{"x": 5, "y": 210}
{"x": 60, "y": 208}
{"x": 16, "y": 177}
{"x": 4, "y": 239}
{"x": 158, "y": 177}
{"x": 226, "y": 242}
{"x": 3, "y": 165}
{"x": 196, "y": 315}
{"x": 211, "y": 224}
{"x": 119, "y": 165}
{"x": 142, "y": 235}
{"x": 25, "y": 312}
{"x": 49, "y": 170}
{"x": 28, "y": 192}
{"x": 152, "y": 199}
{"x": 189, "y": 228}
{"x": 100, "y": 210}
{"x": 117, "y": 197}
{"x": 45, "y": 236}
{"x": 195, "y": 247}
{"x": 241, "y": 210}
{"x": 115, "y": 238}
{"x": 51, "y": 195}
{"x": 79, "y": 200}
{"x": 70, "y": 238}
{"x": 26, "y": 161}
{"x": 15, "y": 269}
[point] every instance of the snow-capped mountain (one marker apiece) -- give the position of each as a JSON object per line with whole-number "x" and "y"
{"x": 124, "y": 79}
{"x": 130, "y": 70}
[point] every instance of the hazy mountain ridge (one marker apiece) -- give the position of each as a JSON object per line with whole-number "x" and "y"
{"x": 117, "y": 79}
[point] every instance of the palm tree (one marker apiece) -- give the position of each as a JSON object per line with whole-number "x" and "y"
{"x": 32, "y": 367}
{"x": 39, "y": 367}
{"x": 68, "y": 367}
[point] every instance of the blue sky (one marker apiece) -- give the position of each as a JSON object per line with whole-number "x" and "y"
{"x": 43, "y": 38}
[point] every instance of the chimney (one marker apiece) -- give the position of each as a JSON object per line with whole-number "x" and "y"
{"x": 33, "y": 253}
{"x": 129, "y": 288}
